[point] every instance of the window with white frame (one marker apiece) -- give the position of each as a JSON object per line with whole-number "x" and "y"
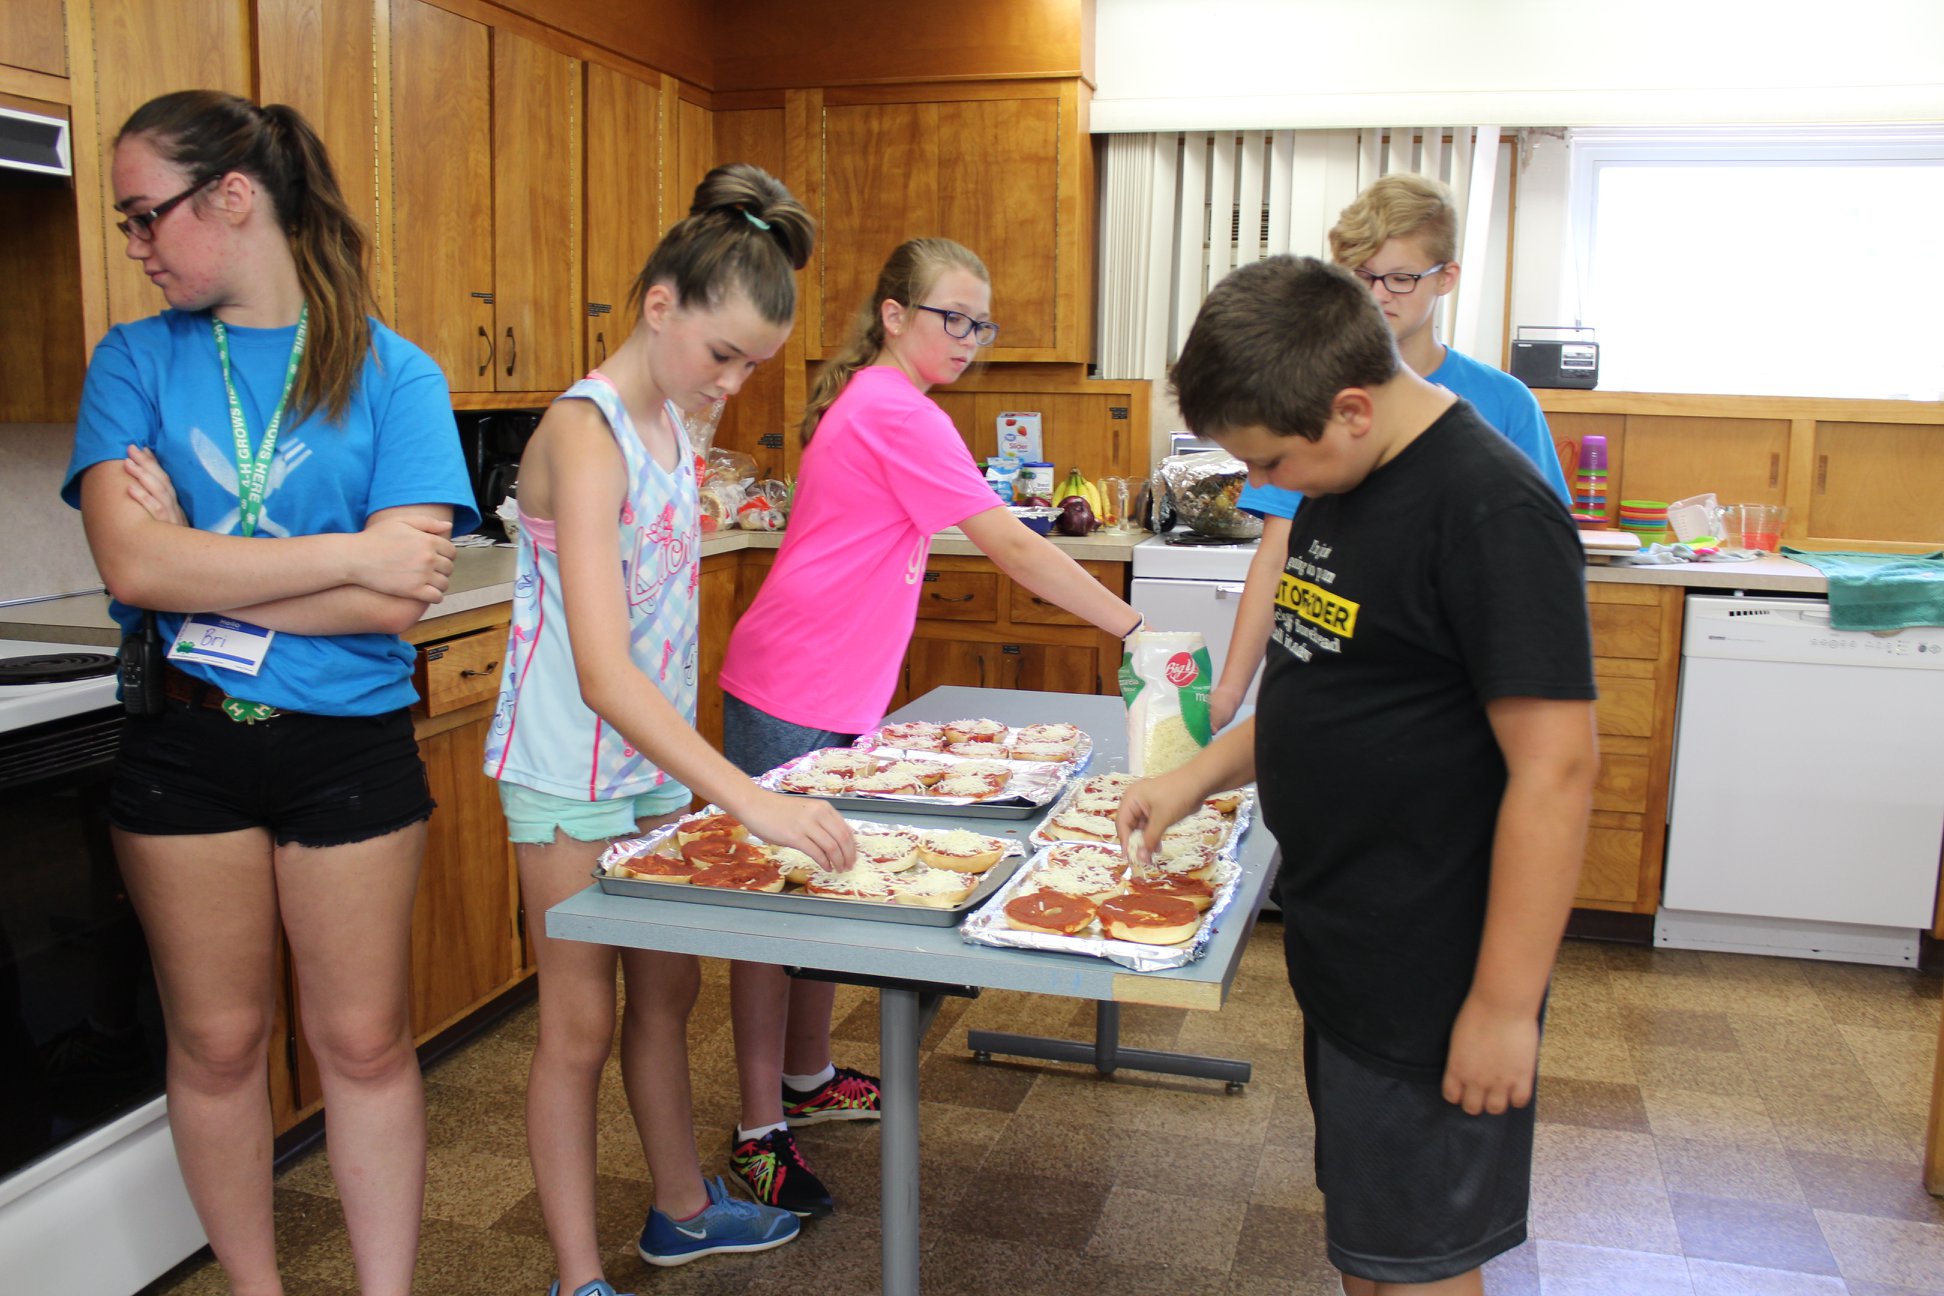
{"x": 1779, "y": 261}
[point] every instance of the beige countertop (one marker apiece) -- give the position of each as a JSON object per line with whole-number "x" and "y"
{"x": 482, "y": 577}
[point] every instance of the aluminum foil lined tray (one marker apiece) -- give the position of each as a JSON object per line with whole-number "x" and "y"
{"x": 1239, "y": 821}
{"x": 793, "y": 899}
{"x": 926, "y": 738}
{"x": 1029, "y": 786}
{"x": 989, "y": 927}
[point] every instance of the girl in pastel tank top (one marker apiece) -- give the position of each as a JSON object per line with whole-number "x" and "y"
{"x": 594, "y": 736}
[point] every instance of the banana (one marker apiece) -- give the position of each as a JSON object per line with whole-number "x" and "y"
{"x": 1075, "y": 484}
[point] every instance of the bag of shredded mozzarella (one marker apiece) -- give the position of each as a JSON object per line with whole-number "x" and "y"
{"x": 1165, "y": 677}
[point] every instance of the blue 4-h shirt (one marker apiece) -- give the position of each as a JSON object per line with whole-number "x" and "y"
{"x": 157, "y": 383}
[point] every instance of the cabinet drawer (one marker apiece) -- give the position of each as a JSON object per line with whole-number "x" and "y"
{"x": 959, "y": 596}
{"x": 1028, "y": 608}
{"x": 461, "y": 671}
{"x": 1611, "y": 872}
{"x": 1626, "y": 705}
{"x": 1623, "y": 784}
{"x": 1625, "y": 629}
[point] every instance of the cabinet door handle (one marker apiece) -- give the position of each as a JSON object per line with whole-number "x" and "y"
{"x": 487, "y": 363}
{"x": 1042, "y": 602}
{"x": 512, "y": 351}
{"x": 600, "y": 342}
{"x": 980, "y": 658}
{"x": 1822, "y": 473}
{"x": 952, "y": 598}
{"x": 487, "y": 669}
{"x": 1775, "y": 470}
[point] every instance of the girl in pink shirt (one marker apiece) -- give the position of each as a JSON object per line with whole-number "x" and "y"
{"x": 815, "y": 659}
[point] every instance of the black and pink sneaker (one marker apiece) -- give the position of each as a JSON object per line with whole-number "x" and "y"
{"x": 777, "y": 1174}
{"x": 848, "y": 1095}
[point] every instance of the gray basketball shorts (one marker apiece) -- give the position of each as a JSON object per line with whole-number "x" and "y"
{"x": 1414, "y": 1190}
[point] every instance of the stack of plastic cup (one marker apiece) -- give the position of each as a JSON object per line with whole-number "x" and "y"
{"x": 1590, "y": 483}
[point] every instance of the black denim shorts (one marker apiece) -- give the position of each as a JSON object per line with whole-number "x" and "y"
{"x": 310, "y": 780}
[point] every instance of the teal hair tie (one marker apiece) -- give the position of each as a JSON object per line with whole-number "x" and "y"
{"x": 756, "y": 220}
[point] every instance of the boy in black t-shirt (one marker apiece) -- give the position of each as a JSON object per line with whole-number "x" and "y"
{"x": 1424, "y": 748}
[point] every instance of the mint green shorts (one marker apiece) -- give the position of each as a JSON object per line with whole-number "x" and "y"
{"x": 533, "y": 815}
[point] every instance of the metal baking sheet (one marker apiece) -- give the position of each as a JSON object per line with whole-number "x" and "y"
{"x": 792, "y": 901}
{"x": 1244, "y": 816}
{"x": 989, "y": 927}
{"x": 1032, "y": 785}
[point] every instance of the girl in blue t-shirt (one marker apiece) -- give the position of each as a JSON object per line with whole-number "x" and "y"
{"x": 273, "y": 479}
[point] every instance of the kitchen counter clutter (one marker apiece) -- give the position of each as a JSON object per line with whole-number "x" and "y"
{"x": 483, "y": 577}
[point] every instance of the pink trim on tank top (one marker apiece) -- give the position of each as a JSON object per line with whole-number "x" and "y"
{"x": 541, "y": 529}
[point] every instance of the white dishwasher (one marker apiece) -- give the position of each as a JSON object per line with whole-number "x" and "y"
{"x": 1807, "y": 808}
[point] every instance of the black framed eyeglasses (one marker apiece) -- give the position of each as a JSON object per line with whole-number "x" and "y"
{"x": 958, "y": 324}
{"x": 1397, "y": 282}
{"x": 139, "y": 224}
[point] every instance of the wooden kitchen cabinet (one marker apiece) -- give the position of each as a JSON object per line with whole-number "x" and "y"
{"x": 33, "y": 36}
{"x": 1636, "y": 664}
{"x": 318, "y": 56}
{"x": 623, "y": 222}
{"x": 1003, "y": 167}
{"x": 441, "y": 211}
{"x": 718, "y": 596}
{"x": 484, "y": 201}
{"x": 136, "y": 50}
{"x": 1854, "y": 474}
{"x": 536, "y": 216}
{"x": 977, "y": 627}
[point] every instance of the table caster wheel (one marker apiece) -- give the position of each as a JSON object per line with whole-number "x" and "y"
{"x": 1234, "y": 1087}
{"x": 981, "y": 1055}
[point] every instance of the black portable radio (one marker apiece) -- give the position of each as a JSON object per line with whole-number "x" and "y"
{"x": 1547, "y": 362}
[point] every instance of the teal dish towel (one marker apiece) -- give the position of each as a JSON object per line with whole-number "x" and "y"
{"x": 1880, "y": 591}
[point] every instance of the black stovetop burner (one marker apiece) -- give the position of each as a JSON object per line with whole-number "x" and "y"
{"x": 55, "y": 667}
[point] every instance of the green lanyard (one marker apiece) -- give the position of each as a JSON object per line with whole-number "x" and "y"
{"x": 253, "y": 472}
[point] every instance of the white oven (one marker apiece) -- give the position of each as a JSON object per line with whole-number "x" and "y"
{"x": 1184, "y": 581}
{"x": 91, "y": 1200}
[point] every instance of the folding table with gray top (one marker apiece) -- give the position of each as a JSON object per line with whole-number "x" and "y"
{"x": 913, "y": 967}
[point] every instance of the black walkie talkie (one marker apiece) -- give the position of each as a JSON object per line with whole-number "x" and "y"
{"x": 141, "y": 670}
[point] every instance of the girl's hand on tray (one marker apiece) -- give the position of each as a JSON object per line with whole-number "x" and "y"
{"x": 813, "y": 827}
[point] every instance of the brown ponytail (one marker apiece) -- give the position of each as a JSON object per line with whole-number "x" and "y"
{"x": 909, "y": 273}
{"x": 208, "y": 134}
{"x": 745, "y": 232}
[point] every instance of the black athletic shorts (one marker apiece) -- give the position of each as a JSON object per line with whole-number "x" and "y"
{"x": 1414, "y": 1190}
{"x": 310, "y": 780}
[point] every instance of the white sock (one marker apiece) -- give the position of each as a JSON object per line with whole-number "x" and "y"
{"x": 761, "y": 1131}
{"x": 805, "y": 1083}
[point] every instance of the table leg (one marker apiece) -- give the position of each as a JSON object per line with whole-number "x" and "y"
{"x": 899, "y": 1028}
{"x": 1106, "y": 1053}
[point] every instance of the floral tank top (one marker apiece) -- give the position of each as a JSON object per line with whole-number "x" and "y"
{"x": 543, "y": 736}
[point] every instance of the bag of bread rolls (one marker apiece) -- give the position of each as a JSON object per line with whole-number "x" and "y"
{"x": 1165, "y": 677}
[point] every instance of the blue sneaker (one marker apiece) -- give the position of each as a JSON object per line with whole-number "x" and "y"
{"x": 599, "y": 1287}
{"x": 728, "y": 1224}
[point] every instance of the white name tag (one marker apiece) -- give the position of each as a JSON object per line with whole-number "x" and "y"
{"x": 222, "y": 641}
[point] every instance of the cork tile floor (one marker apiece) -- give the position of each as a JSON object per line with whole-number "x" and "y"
{"x": 1710, "y": 1125}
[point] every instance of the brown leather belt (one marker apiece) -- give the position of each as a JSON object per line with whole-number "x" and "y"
{"x": 180, "y": 686}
